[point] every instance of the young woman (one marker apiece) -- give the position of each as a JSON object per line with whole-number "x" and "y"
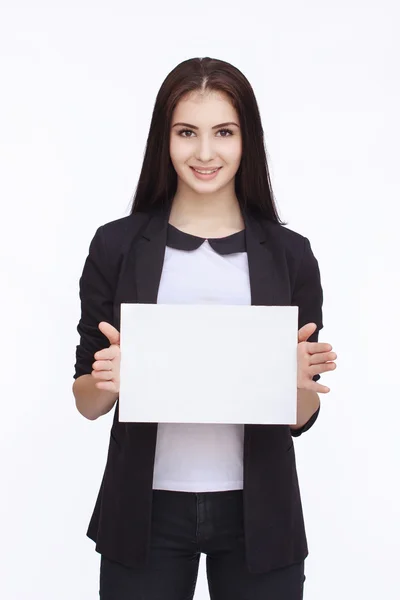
{"x": 203, "y": 229}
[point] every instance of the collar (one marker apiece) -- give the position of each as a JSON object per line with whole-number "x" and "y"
{"x": 236, "y": 242}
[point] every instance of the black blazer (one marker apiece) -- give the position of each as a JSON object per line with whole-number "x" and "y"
{"x": 124, "y": 264}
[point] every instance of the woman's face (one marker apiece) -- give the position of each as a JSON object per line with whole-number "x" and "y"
{"x": 205, "y": 135}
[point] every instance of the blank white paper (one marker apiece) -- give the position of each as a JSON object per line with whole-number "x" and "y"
{"x": 208, "y": 364}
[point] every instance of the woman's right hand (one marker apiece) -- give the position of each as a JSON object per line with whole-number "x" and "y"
{"x": 106, "y": 368}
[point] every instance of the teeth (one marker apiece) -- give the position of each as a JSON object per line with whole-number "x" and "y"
{"x": 205, "y": 172}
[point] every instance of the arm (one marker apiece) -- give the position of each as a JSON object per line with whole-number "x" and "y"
{"x": 96, "y": 287}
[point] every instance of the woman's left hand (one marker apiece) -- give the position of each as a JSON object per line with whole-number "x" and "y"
{"x": 312, "y": 358}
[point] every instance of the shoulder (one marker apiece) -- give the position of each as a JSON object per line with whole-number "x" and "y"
{"x": 125, "y": 226}
{"x": 283, "y": 233}
{"x": 112, "y": 240}
{"x": 117, "y": 234}
{"x": 290, "y": 241}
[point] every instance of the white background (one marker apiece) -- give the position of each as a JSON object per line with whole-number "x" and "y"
{"x": 78, "y": 83}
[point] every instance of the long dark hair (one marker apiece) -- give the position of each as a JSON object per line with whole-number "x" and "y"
{"x": 158, "y": 179}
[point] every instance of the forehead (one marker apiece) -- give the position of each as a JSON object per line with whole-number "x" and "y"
{"x": 206, "y": 108}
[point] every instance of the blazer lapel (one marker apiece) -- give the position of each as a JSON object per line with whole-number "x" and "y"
{"x": 149, "y": 258}
{"x": 268, "y": 283}
{"x": 142, "y": 264}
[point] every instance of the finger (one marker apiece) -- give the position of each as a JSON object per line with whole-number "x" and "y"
{"x": 322, "y": 357}
{"x": 317, "y": 369}
{"x": 315, "y": 347}
{"x": 107, "y": 353}
{"x": 313, "y": 386}
{"x": 103, "y": 375}
{"x": 102, "y": 365}
{"x": 110, "y": 332}
{"x": 321, "y": 389}
{"x": 305, "y": 331}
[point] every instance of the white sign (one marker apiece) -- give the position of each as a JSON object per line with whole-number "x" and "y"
{"x": 208, "y": 364}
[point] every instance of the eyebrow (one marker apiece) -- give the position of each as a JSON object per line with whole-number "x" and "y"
{"x": 215, "y": 126}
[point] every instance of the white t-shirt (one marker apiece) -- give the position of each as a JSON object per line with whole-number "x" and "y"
{"x": 202, "y": 457}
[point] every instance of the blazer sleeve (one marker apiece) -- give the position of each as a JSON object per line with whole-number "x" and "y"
{"x": 308, "y": 296}
{"x": 96, "y": 296}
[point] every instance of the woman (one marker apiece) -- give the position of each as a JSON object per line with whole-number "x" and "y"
{"x": 203, "y": 229}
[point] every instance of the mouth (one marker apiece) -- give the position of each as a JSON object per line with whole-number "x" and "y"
{"x": 206, "y": 173}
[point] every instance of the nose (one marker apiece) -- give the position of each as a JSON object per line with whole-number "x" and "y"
{"x": 205, "y": 150}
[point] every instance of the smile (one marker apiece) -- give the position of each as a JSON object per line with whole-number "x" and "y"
{"x": 206, "y": 174}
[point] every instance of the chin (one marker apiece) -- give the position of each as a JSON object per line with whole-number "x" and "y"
{"x": 206, "y": 187}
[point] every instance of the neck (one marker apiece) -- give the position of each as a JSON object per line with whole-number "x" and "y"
{"x": 206, "y": 215}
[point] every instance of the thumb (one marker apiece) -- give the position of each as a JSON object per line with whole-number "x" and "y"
{"x": 305, "y": 331}
{"x": 110, "y": 332}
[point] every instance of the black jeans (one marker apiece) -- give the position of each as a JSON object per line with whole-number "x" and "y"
{"x": 184, "y": 525}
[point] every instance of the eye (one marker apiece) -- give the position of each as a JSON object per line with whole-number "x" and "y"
{"x": 185, "y": 131}
{"x": 227, "y": 131}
